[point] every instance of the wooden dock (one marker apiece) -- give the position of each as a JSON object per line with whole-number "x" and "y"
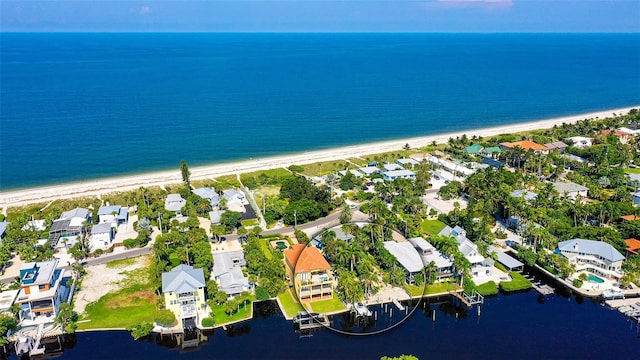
{"x": 398, "y": 305}
{"x": 468, "y": 300}
{"x": 543, "y": 289}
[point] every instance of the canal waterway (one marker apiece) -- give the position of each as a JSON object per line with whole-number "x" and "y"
{"x": 517, "y": 326}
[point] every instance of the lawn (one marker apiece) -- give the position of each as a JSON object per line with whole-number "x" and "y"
{"x": 632, "y": 170}
{"x": 327, "y": 306}
{"x": 290, "y": 305}
{"x": 131, "y": 305}
{"x": 437, "y": 288}
{"x": 249, "y": 223}
{"x": 519, "y": 282}
{"x": 488, "y": 288}
{"x": 432, "y": 227}
{"x": 323, "y": 168}
{"x": 220, "y": 317}
{"x": 264, "y": 246}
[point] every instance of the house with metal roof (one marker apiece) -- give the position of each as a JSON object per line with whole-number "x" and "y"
{"x": 71, "y": 224}
{"x": 215, "y": 216}
{"x": 369, "y": 170}
{"x": 355, "y": 173}
{"x": 558, "y": 146}
{"x": 636, "y": 197}
{"x": 509, "y": 262}
{"x": 309, "y": 273}
{"x": 3, "y": 229}
{"x": 208, "y": 193}
{"x": 429, "y": 254}
{"x": 571, "y": 190}
{"x": 407, "y": 256}
{"x": 174, "y": 202}
{"x": 480, "y": 266}
{"x": 398, "y": 174}
{"x": 407, "y": 162}
{"x": 474, "y": 149}
{"x": 525, "y": 194}
{"x": 597, "y": 257}
{"x": 43, "y": 288}
{"x": 102, "y": 236}
{"x": 113, "y": 214}
{"x": 227, "y": 270}
{"x": 183, "y": 289}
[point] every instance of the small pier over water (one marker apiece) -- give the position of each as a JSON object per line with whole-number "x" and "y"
{"x": 468, "y": 300}
{"x": 307, "y": 321}
{"x": 542, "y": 288}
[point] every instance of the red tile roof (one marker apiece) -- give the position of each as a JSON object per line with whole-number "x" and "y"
{"x": 630, "y": 217}
{"x": 633, "y": 245}
{"x": 526, "y": 145}
{"x": 306, "y": 259}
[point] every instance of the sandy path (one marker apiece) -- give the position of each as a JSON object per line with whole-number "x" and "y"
{"x": 98, "y": 282}
{"x": 124, "y": 183}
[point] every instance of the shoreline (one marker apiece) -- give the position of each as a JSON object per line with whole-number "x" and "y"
{"x": 97, "y": 187}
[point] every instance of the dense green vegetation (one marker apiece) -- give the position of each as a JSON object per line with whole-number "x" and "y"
{"x": 518, "y": 282}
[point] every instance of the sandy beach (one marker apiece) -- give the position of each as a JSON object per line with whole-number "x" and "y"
{"x": 108, "y": 185}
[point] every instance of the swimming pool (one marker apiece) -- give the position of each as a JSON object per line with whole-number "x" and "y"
{"x": 281, "y": 245}
{"x": 595, "y": 279}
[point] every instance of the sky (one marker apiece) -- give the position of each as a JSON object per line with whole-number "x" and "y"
{"x": 320, "y": 16}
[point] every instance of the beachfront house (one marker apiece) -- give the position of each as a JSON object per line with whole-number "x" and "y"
{"x": 474, "y": 149}
{"x": 480, "y": 267}
{"x": 407, "y": 163}
{"x": 70, "y": 225}
{"x": 525, "y": 145}
{"x": 571, "y": 190}
{"x": 356, "y": 174}
{"x": 309, "y": 272}
{"x": 407, "y": 256}
{"x": 175, "y": 203}
{"x": 580, "y": 142}
{"x": 102, "y": 236}
{"x": 369, "y": 170}
{"x": 210, "y": 194}
{"x": 429, "y": 253}
{"x": 113, "y": 214}
{"x": 43, "y": 288}
{"x": 557, "y": 146}
{"x": 183, "y": 289}
{"x": 398, "y": 174}
{"x": 593, "y": 256}
{"x": 227, "y": 270}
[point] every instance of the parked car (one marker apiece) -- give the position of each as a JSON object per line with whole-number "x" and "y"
{"x": 364, "y": 187}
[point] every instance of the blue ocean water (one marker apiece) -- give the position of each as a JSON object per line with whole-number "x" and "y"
{"x": 81, "y": 106}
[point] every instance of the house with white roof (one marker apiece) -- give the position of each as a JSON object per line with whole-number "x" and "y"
{"x": 113, "y": 214}
{"x": 3, "y": 229}
{"x": 208, "y": 193}
{"x": 215, "y": 216}
{"x": 355, "y": 173}
{"x": 174, "y": 202}
{"x": 580, "y": 142}
{"x": 571, "y": 190}
{"x": 480, "y": 267}
{"x": 407, "y": 256}
{"x": 71, "y": 224}
{"x": 227, "y": 270}
{"x": 597, "y": 257}
{"x": 232, "y": 195}
{"x": 102, "y": 236}
{"x": 525, "y": 194}
{"x": 183, "y": 289}
{"x": 407, "y": 162}
{"x": 398, "y": 174}
{"x": 369, "y": 170}
{"x": 429, "y": 254}
{"x": 450, "y": 166}
{"x": 392, "y": 167}
{"x": 43, "y": 289}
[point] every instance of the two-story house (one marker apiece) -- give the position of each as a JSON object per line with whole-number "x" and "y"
{"x": 429, "y": 253}
{"x": 183, "y": 289}
{"x": 70, "y": 225}
{"x": 594, "y": 256}
{"x": 309, "y": 272}
{"x": 113, "y": 214}
{"x": 480, "y": 266}
{"x": 43, "y": 289}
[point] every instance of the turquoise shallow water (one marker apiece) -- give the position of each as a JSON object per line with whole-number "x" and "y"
{"x": 79, "y": 106}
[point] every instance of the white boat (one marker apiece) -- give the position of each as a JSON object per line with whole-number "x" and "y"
{"x": 361, "y": 309}
{"x": 613, "y": 293}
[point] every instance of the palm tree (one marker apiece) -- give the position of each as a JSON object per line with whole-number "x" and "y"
{"x": 431, "y": 269}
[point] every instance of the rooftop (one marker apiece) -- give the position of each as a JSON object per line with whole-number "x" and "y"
{"x": 108, "y": 210}
{"x": 528, "y": 195}
{"x": 174, "y": 202}
{"x": 505, "y": 259}
{"x": 75, "y": 213}
{"x": 397, "y": 173}
{"x": 633, "y": 245}
{"x": 227, "y": 268}
{"x": 556, "y": 145}
{"x": 525, "y": 145}
{"x": 392, "y": 167}
{"x": 406, "y": 255}
{"x": 208, "y": 193}
{"x": 35, "y": 273}
{"x": 310, "y": 259}
{"x": 563, "y": 188}
{"x": 591, "y": 247}
{"x": 101, "y": 228}
{"x": 182, "y": 278}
